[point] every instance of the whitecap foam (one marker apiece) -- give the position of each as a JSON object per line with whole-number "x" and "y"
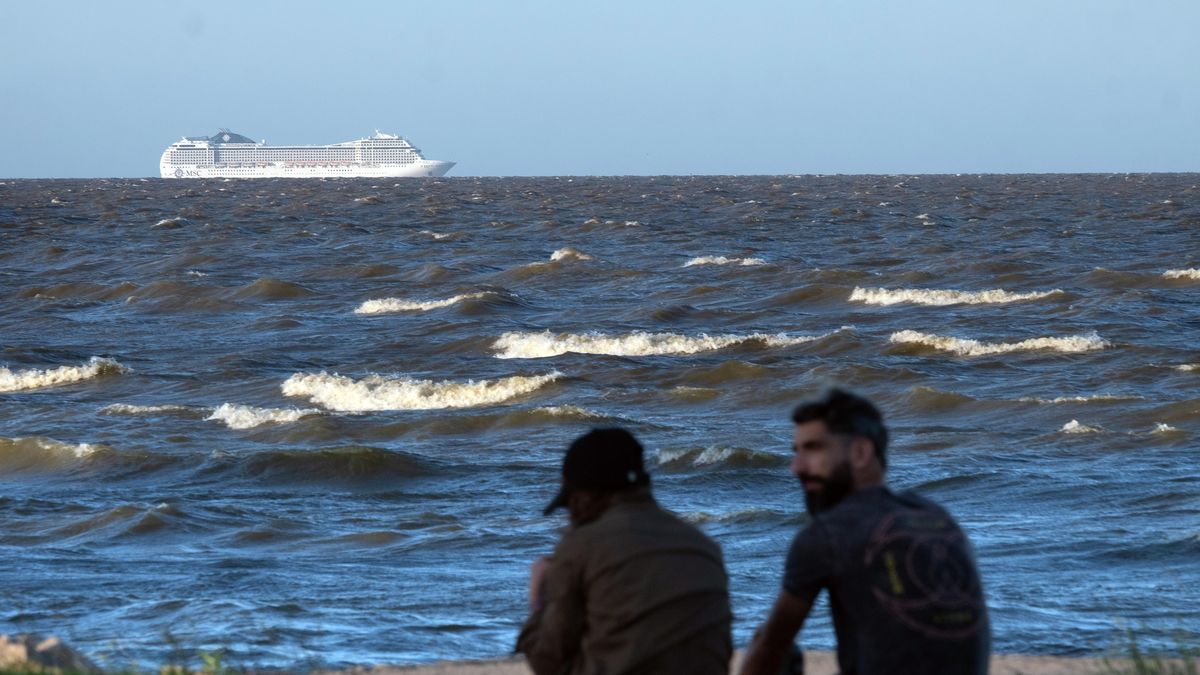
{"x": 722, "y": 260}
{"x": 34, "y": 378}
{"x": 737, "y": 515}
{"x": 1164, "y": 428}
{"x": 437, "y": 235}
{"x": 621, "y": 223}
{"x": 1188, "y": 367}
{"x": 965, "y": 347}
{"x": 712, "y": 455}
{"x": 568, "y": 254}
{"x": 386, "y": 305}
{"x": 39, "y": 451}
{"x": 571, "y": 411}
{"x": 1074, "y": 427}
{"x": 247, "y": 417}
{"x": 127, "y": 409}
{"x": 1081, "y": 399}
{"x": 1193, "y": 274}
{"x": 718, "y": 455}
{"x": 940, "y": 297}
{"x": 547, "y": 344}
{"x": 377, "y": 392}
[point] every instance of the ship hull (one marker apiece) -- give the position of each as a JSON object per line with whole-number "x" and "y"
{"x": 422, "y": 169}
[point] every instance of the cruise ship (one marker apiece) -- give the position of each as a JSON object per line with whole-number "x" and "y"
{"x": 229, "y": 155}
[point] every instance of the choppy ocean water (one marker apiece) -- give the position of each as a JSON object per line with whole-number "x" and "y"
{"x": 315, "y": 422}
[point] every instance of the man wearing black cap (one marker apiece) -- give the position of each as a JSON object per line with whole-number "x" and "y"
{"x": 630, "y": 587}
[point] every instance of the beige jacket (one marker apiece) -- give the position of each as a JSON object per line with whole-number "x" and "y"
{"x": 635, "y": 591}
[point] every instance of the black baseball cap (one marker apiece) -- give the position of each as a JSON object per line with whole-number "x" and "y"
{"x": 608, "y": 459}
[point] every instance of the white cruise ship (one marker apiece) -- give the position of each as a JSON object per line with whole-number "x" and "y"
{"x": 229, "y": 155}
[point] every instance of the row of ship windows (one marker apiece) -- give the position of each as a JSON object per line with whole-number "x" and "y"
{"x": 293, "y": 153}
{"x": 227, "y": 163}
{"x": 276, "y": 155}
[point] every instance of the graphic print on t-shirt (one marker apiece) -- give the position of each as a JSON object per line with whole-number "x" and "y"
{"x": 921, "y": 572}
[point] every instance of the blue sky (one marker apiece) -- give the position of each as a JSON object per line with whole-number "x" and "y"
{"x": 92, "y": 89}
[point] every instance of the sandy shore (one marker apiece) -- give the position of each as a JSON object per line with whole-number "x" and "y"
{"x": 816, "y": 663}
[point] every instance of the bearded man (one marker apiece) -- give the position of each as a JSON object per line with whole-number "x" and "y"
{"x": 903, "y": 586}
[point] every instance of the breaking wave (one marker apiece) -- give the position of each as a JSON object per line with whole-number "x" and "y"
{"x": 747, "y": 515}
{"x": 1188, "y": 367}
{"x": 569, "y": 412}
{"x": 26, "y": 454}
{"x": 622, "y": 223}
{"x": 385, "y": 305}
{"x": 546, "y": 344}
{"x": 927, "y": 296}
{"x": 127, "y": 409}
{"x": 1074, "y": 427}
{"x": 1193, "y": 274}
{"x": 1164, "y": 428}
{"x": 966, "y": 347}
{"x": 722, "y": 260}
{"x": 376, "y": 392}
{"x": 718, "y": 455}
{"x": 1081, "y": 399}
{"x": 33, "y": 378}
{"x": 246, "y": 417}
{"x": 568, "y": 254}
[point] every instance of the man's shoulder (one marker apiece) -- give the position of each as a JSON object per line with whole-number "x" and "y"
{"x": 912, "y": 500}
{"x": 879, "y": 500}
{"x": 635, "y": 521}
{"x": 858, "y": 515}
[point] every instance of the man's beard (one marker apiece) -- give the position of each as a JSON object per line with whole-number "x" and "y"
{"x": 833, "y": 489}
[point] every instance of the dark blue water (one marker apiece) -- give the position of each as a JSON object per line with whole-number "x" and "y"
{"x": 315, "y": 422}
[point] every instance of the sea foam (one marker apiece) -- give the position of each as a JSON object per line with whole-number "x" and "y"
{"x": 546, "y": 344}
{"x": 569, "y": 411}
{"x": 929, "y": 296}
{"x": 246, "y": 417}
{"x": 568, "y": 254}
{"x": 722, "y": 260}
{"x": 1074, "y": 427}
{"x": 386, "y": 305}
{"x": 1193, "y": 274}
{"x": 718, "y": 455}
{"x": 41, "y": 453}
{"x": 966, "y": 347}
{"x": 33, "y": 378}
{"x": 735, "y": 516}
{"x": 1081, "y": 399}
{"x": 127, "y": 409}
{"x": 376, "y": 392}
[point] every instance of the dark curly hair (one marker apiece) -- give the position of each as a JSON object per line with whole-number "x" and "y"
{"x": 846, "y": 414}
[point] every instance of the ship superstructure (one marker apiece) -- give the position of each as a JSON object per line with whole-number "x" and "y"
{"x": 226, "y": 154}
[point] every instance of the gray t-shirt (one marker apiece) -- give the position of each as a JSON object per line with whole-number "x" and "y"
{"x": 903, "y": 586}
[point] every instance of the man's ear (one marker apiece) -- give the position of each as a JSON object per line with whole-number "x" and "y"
{"x": 862, "y": 453}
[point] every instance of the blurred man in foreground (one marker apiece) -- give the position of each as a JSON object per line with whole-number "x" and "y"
{"x": 630, "y": 588}
{"x": 903, "y": 588}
